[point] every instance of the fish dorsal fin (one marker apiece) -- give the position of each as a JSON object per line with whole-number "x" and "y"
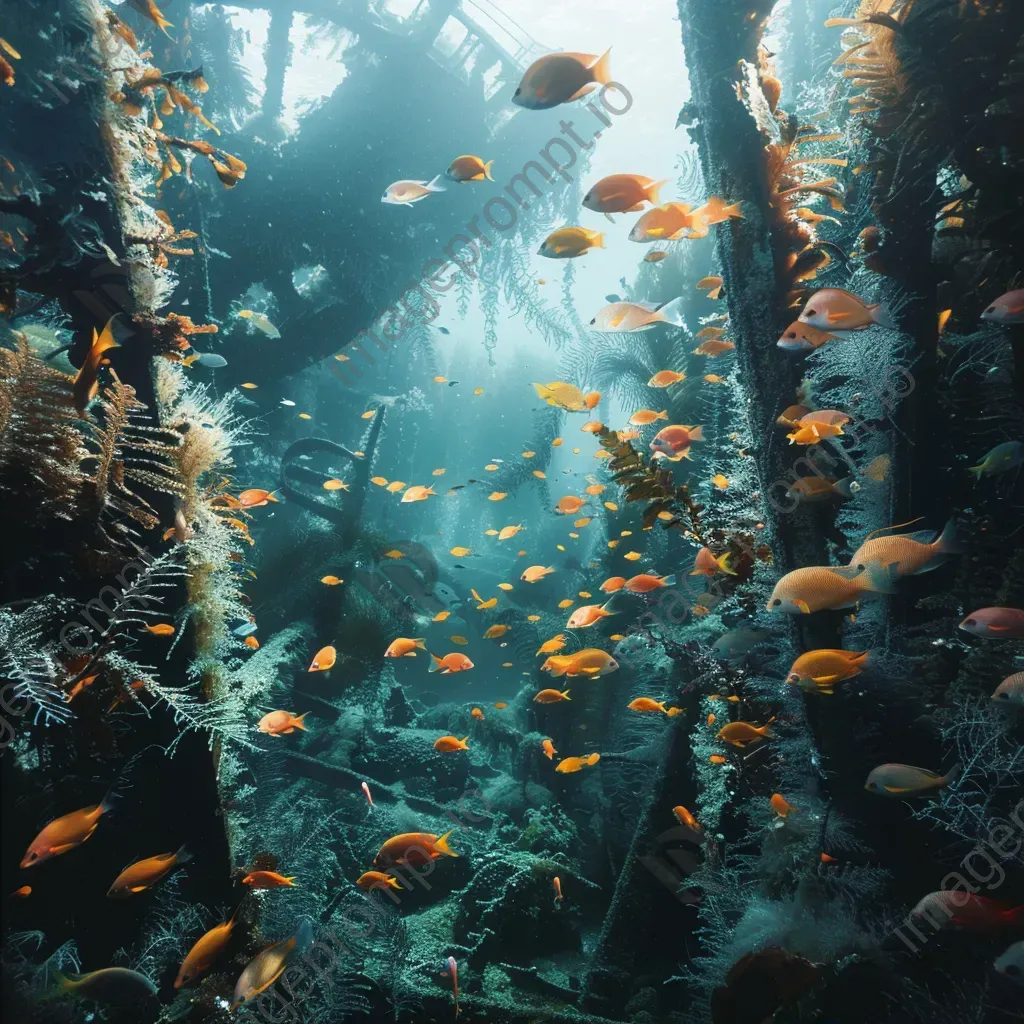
{"x": 847, "y": 572}
{"x": 923, "y": 536}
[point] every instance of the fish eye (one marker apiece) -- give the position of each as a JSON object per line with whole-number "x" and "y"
{"x": 1004, "y": 696}
{"x": 812, "y": 312}
{"x": 991, "y": 309}
{"x": 519, "y": 89}
{"x": 777, "y": 602}
{"x": 970, "y": 622}
{"x": 594, "y": 321}
{"x": 791, "y": 334}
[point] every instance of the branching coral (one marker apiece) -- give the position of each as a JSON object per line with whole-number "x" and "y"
{"x": 41, "y": 445}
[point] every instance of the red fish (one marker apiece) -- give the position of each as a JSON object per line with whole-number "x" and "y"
{"x": 967, "y": 910}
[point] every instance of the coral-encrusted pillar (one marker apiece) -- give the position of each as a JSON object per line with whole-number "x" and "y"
{"x": 717, "y": 37}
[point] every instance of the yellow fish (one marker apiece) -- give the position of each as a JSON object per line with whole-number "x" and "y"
{"x": 566, "y": 243}
{"x": 497, "y": 496}
{"x": 394, "y": 553}
{"x": 556, "y": 643}
{"x": 460, "y": 552}
{"x": 493, "y": 632}
{"x": 507, "y": 532}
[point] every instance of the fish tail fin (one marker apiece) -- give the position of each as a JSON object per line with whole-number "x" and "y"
{"x": 106, "y": 340}
{"x": 672, "y": 312}
{"x": 977, "y": 470}
{"x": 878, "y": 578}
{"x": 421, "y": 643}
{"x": 565, "y": 695}
{"x": 434, "y": 185}
{"x": 882, "y": 316}
{"x": 436, "y": 664}
{"x": 299, "y": 722}
{"x": 672, "y": 712}
{"x": 948, "y": 542}
{"x": 602, "y": 70}
{"x": 724, "y": 562}
{"x": 668, "y": 581}
{"x": 847, "y": 487}
{"x": 464, "y": 739}
{"x": 598, "y": 240}
{"x": 441, "y": 844}
{"x": 290, "y": 879}
{"x": 654, "y": 191}
{"x": 489, "y": 177}
{"x": 866, "y": 659}
{"x": 736, "y": 210}
{"x": 696, "y": 433}
{"x": 182, "y": 855}
{"x": 953, "y": 774}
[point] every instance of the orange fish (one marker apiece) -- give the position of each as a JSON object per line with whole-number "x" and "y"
{"x": 414, "y": 848}
{"x": 378, "y": 880}
{"x": 331, "y": 581}
{"x": 556, "y": 643}
{"x": 251, "y": 641}
{"x": 717, "y": 759}
{"x": 323, "y": 660}
{"x": 206, "y": 950}
{"x": 144, "y": 873}
{"x": 148, "y": 9}
{"x": 708, "y": 565}
{"x": 592, "y": 427}
{"x": 818, "y": 588}
{"x": 780, "y": 805}
{"x": 587, "y": 615}
{"x": 65, "y": 833}
{"x": 569, "y": 505}
{"x": 404, "y": 647}
{"x": 503, "y": 704}
{"x": 713, "y": 378}
{"x": 642, "y": 417}
{"x": 684, "y": 817}
{"x": 645, "y": 583}
{"x": 450, "y": 744}
{"x": 741, "y": 733}
{"x": 417, "y": 493}
{"x": 556, "y": 882}
{"x": 535, "y": 573}
{"x": 674, "y": 442}
{"x": 574, "y": 764}
{"x": 713, "y": 347}
{"x": 821, "y": 670}
{"x": 612, "y": 584}
{"x": 551, "y": 696}
{"x": 561, "y": 77}
{"x": 477, "y": 713}
{"x": 366, "y": 792}
{"x": 86, "y": 385}
{"x": 908, "y": 554}
{"x": 268, "y": 880}
{"x": 801, "y": 337}
{"x": 161, "y": 629}
{"x": 549, "y": 749}
{"x": 25, "y": 890}
{"x": 623, "y": 193}
{"x": 826, "y": 859}
{"x": 454, "y": 662}
{"x": 664, "y": 378}
{"x": 277, "y": 722}
{"x": 255, "y": 498}
{"x": 334, "y": 484}
{"x": 589, "y": 662}
{"x": 649, "y": 704}
{"x": 712, "y": 285}
{"x": 469, "y": 168}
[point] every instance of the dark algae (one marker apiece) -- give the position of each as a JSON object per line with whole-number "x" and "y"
{"x": 448, "y": 574}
